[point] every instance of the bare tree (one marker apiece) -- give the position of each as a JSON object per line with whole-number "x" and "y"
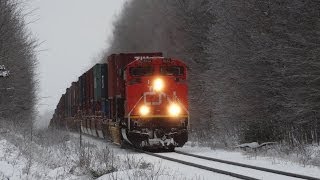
{"x": 17, "y": 53}
{"x": 253, "y": 64}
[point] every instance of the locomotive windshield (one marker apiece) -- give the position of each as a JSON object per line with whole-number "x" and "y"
{"x": 141, "y": 71}
{"x": 172, "y": 70}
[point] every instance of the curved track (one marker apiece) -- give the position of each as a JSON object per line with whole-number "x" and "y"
{"x": 199, "y": 166}
{"x": 239, "y": 170}
{"x": 250, "y": 166}
{"x": 174, "y": 156}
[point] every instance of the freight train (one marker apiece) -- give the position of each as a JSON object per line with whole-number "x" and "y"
{"x": 139, "y": 99}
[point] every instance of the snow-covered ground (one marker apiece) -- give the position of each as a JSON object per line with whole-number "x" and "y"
{"x": 255, "y": 160}
{"x": 160, "y": 169}
{"x": 15, "y": 165}
{"x": 104, "y": 160}
{"x": 183, "y": 171}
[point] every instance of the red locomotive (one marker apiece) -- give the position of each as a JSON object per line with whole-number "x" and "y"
{"x": 137, "y": 98}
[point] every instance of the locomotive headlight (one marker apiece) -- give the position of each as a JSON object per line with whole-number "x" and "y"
{"x": 174, "y": 110}
{"x": 144, "y": 110}
{"x": 158, "y": 84}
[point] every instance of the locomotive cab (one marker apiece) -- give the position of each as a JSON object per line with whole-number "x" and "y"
{"x": 156, "y": 105}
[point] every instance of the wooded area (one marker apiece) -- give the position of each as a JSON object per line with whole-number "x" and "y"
{"x": 17, "y": 54}
{"x": 254, "y": 65}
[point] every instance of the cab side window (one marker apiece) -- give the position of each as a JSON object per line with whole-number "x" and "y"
{"x": 172, "y": 70}
{"x": 141, "y": 71}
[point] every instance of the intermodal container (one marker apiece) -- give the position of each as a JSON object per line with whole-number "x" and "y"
{"x": 104, "y": 81}
{"x": 62, "y": 108}
{"x": 97, "y": 81}
{"x": 89, "y": 91}
{"x": 82, "y": 91}
{"x": 76, "y": 101}
{"x": 72, "y": 98}
{"x": 70, "y": 103}
{"x": 66, "y": 111}
{"x": 100, "y": 88}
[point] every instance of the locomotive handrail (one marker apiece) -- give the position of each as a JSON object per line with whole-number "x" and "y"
{"x": 182, "y": 105}
{"x": 129, "y": 114}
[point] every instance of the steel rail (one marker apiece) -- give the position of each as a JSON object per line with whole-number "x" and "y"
{"x": 217, "y": 160}
{"x": 198, "y": 166}
{"x": 250, "y": 166}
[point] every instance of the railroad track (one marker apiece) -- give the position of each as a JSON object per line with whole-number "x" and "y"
{"x": 173, "y": 157}
{"x": 250, "y": 166}
{"x": 240, "y": 176}
{"x": 268, "y": 173}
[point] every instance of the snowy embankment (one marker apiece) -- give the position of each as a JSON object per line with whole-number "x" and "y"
{"x": 9, "y": 160}
{"x": 22, "y": 159}
{"x": 172, "y": 170}
{"x": 256, "y": 158}
{"x": 57, "y": 155}
{"x": 142, "y": 166}
{"x": 15, "y": 165}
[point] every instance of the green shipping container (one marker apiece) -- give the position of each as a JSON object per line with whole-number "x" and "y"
{"x": 97, "y": 81}
{"x": 104, "y": 82}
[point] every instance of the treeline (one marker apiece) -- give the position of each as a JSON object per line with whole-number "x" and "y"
{"x": 254, "y": 65}
{"x": 17, "y": 54}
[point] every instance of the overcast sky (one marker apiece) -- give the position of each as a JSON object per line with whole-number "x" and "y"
{"x": 74, "y": 33}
